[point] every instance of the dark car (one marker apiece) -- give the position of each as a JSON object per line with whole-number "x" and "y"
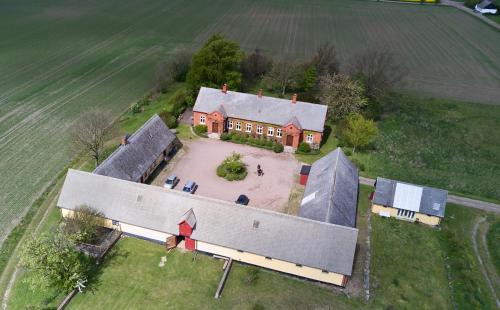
{"x": 242, "y": 200}
{"x": 190, "y": 187}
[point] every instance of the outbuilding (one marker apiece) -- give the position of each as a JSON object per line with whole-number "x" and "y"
{"x": 409, "y": 202}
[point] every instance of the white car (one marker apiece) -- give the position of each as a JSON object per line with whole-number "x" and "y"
{"x": 171, "y": 182}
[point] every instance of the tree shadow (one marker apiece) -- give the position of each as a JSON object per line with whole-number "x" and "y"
{"x": 326, "y": 134}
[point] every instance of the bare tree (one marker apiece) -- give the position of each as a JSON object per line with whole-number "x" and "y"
{"x": 255, "y": 65}
{"x": 90, "y": 131}
{"x": 173, "y": 70}
{"x": 325, "y": 60}
{"x": 283, "y": 75}
{"x": 379, "y": 70}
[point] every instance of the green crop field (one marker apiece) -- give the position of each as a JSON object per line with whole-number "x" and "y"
{"x": 60, "y": 58}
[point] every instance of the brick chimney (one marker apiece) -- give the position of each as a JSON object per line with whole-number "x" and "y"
{"x": 294, "y": 98}
{"x": 224, "y": 88}
{"x": 260, "y": 93}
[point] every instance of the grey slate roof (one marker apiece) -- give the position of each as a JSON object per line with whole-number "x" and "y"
{"x": 280, "y": 236}
{"x": 189, "y": 218}
{"x": 433, "y": 200}
{"x": 129, "y": 162}
{"x": 265, "y": 109}
{"x": 332, "y": 186}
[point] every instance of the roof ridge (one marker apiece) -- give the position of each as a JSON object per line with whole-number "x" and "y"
{"x": 198, "y": 197}
{"x": 333, "y": 186}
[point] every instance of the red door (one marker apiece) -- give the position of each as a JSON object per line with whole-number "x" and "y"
{"x": 289, "y": 140}
{"x": 190, "y": 244}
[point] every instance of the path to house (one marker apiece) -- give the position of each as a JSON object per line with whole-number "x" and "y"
{"x": 463, "y": 201}
{"x": 475, "y": 229}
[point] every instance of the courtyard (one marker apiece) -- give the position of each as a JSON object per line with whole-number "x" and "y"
{"x": 198, "y": 160}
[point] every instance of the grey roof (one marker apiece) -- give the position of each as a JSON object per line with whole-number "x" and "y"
{"x": 269, "y": 110}
{"x": 280, "y": 236}
{"x": 432, "y": 200}
{"x": 129, "y": 162}
{"x": 189, "y": 218}
{"x": 331, "y": 193}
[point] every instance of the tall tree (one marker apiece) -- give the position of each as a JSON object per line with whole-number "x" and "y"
{"x": 342, "y": 95}
{"x": 216, "y": 63}
{"x": 90, "y": 131}
{"x": 284, "y": 75}
{"x": 52, "y": 262}
{"x": 325, "y": 60}
{"x": 83, "y": 225}
{"x": 379, "y": 70}
{"x": 359, "y": 131}
{"x": 255, "y": 65}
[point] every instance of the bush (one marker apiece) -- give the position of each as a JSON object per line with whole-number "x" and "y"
{"x": 83, "y": 225}
{"x": 169, "y": 119}
{"x": 347, "y": 152}
{"x": 232, "y": 168}
{"x": 268, "y": 143}
{"x": 278, "y": 147}
{"x": 304, "y": 147}
{"x": 178, "y": 102}
{"x": 136, "y": 108}
{"x": 358, "y": 163}
{"x": 200, "y": 129}
{"x": 225, "y": 136}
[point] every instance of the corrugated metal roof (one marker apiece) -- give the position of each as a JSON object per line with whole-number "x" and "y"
{"x": 335, "y": 180}
{"x": 280, "y": 236}
{"x": 308, "y": 116}
{"x": 129, "y": 162}
{"x": 432, "y": 201}
{"x": 407, "y": 197}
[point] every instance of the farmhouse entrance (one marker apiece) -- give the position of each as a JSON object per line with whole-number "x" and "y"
{"x": 215, "y": 127}
{"x": 289, "y": 140}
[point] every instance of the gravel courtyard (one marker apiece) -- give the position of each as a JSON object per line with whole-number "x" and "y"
{"x": 199, "y": 159}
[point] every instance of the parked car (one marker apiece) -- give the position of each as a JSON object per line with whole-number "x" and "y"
{"x": 171, "y": 182}
{"x": 190, "y": 187}
{"x": 242, "y": 200}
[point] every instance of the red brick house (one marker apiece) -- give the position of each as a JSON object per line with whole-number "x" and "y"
{"x": 289, "y": 122}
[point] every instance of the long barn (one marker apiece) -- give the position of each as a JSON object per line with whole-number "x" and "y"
{"x": 295, "y": 245}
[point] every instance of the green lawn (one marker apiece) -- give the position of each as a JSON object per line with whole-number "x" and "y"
{"x": 493, "y": 240}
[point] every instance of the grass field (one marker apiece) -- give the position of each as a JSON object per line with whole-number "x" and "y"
{"x": 60, "y": 58}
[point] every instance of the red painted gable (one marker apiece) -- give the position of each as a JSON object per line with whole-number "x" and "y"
{"x": 184, "y": 229}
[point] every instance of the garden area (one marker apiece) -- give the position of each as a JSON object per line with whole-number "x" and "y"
{"x": 232, "y": 168}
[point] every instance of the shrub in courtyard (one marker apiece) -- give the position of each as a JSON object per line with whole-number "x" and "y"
{"x": 278, "y": 147}
{"x": 225, "y": 136}
{"x": 268, "y": 143}
{"x": 200, "y": 129}
{"x": 304, "y": 147}
{"x": 169, "y": 119}
{"x": 232, "y": 168}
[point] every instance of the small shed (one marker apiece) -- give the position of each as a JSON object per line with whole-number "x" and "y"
{"x": 186, "y": 225}
{"x": 304, "y": 174}
{"x": 486, "y": 7}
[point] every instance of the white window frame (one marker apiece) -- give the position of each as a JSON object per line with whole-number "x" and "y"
{"x": 270, "y": 131}
{"x": 309, "y": 138}
{"x": 230, "y": 125}
{"x": 279, "y": 133}
{"x": 238, "y": 126}
{"x": 248, "y": 127}
{"x": 260, "y": 129}
{"x": 202, "y": 119}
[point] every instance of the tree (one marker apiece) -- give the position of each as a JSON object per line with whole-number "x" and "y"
{"x": 83, "y": 225}
{"x": 378, "y": 70}
{"x": 325, "y": 60}
{"x": 342, "y": 95}
{"x": 216, "y": 63}
{"x": 359, "y": 131}
{"x": 283, "y": 75}
{"x": 310, "y": 78}
{"x": 90, "y": 131}
{"x": 174, "y": 70}
{"x": 255, "y": 66}
{"x": 52, "y": 262}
